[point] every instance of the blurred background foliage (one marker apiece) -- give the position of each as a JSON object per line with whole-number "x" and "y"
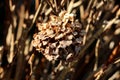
{"x": 98, "y": 59}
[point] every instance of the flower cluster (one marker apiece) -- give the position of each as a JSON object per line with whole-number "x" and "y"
{"x": 59, "y": 38}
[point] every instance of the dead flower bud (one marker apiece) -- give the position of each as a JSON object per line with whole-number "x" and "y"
{"x": 60, "y": 37}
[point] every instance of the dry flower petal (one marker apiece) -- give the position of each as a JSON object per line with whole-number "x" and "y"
{"x": 47, "y": 50}
{"x": 59, "y": 36}
{"x": 39, "y": 45}
{"x": 70, "y": 37}
{"x": 45, "y": 43}
{"x": 64, "y": 44}
{"x": 35, "y": 43}
{"x": 49, "y": 32}
{"x": 42, "y": 26}
{"x": 69, "y": 56}
{"x": 53, "y": 45}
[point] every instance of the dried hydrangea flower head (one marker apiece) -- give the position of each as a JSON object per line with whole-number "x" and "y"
{"x": 59, "y": 38}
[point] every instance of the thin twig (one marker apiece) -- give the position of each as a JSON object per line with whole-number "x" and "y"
{"x": 76, "y": 4}
{"x": 111, "y": 69}
{"x": 35, "y": 17}
{"x": 52, "y": 6}
{"x": 96, "y": 55}
{"x": 19, "y": 68}
{"x": 70, "y": 7}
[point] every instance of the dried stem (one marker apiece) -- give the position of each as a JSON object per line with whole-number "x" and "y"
{"x": 35, "y": 16}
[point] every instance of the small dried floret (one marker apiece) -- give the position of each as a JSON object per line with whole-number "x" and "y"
{"x": 60, "y": 37}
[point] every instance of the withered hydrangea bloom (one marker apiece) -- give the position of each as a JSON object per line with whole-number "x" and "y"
{"x": 59, "y": 38}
